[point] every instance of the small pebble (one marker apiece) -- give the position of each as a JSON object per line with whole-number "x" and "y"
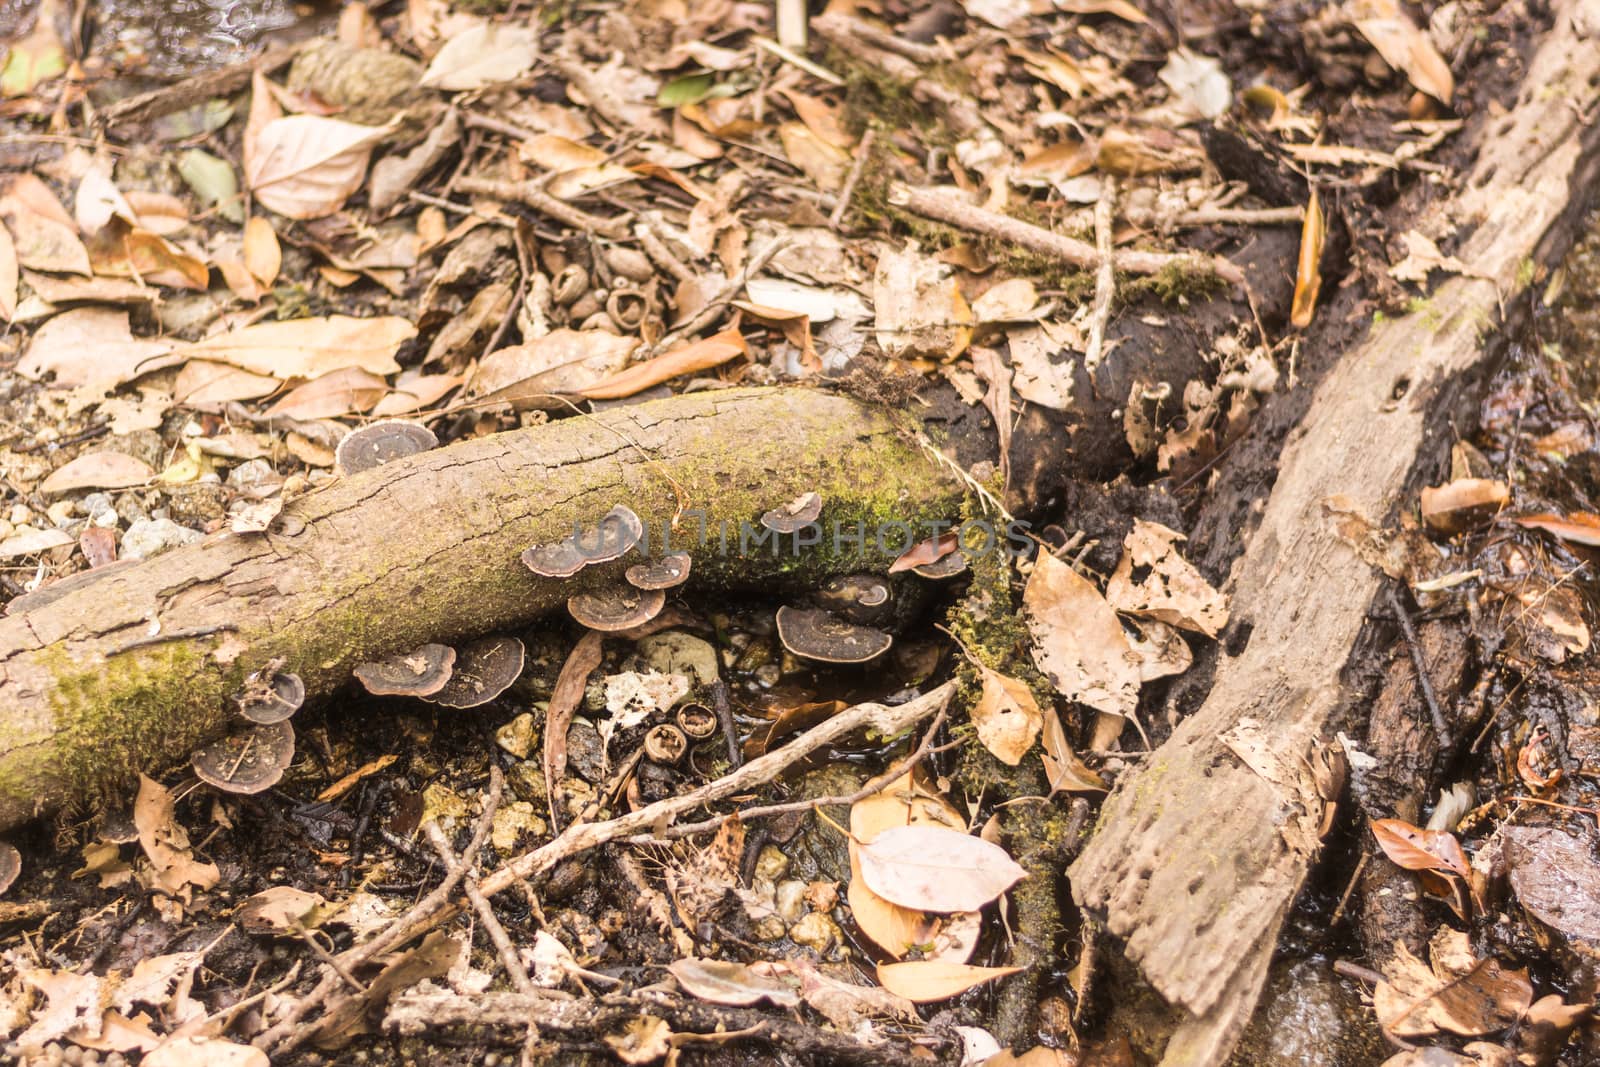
{"x": 149, "y": 537}
{"x": 772, "y": 864}
{"x": 791, "y": 900}
{"x": 817, "y": 932}
{"x": 252, "y": 473}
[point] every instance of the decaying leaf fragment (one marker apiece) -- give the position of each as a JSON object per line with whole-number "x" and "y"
{"x": 1078, "y": 642}
{"x": 1457, "y": 994}
{"x": 1171, "y": 590}
{"x": 1007, "y": 717}
{"x": 1308, "y": 272}
{"x": 920, "y": 310}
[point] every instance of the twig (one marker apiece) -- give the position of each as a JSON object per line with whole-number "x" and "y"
{"x": 530, "y": 195}
{"x": 1105, "y": 283}
{"x": 1240, "y": 216}
{"x": 873, "y": 785}
{"x": 601, "y": 100}
{"x": 488, "y": 122}
{"x": 1424, "y": 683}
{"x": 1344, "y": 899}
{"x": 659, "y": 253}
{"x": 953, "y": 209}
{"x": 197, "y": 89}
{"x": 788, "y": 55}
{"x": 863, "y": 153}
{"x": 730, "y": 733}
{"x": 288, "y": 1033}
{"x": 577, "y": 839}
{"x": 491, "y": 922}
{"x": 862, "y": 30}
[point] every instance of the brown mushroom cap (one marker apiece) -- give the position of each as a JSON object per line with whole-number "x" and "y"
{"x": 943, "y": 567}
{"x": 484, "y": 670}
{"x": 861, "y": 598}
{"x": 270, "y": 698}
{"x": 249, "y": 761}
{"x": 820, "y": 635}
{"x": 117, "y": 826}
{"x": 10, "y": 865}
{"x": 617, "y": 608}
{"x": 617, "y": 532}
{"x": 560, "y": 559}
{"x": 421, "y": 672}
{"x": 663, "y": 573}
{"x": 801, "y": 511}
{"x": 378, "y": 443}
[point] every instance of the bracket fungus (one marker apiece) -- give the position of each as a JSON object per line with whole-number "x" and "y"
{"x": 860, "y": 598}
{"x": 815, "y": 634}
{"x": 422, "y": 672}
{"x": 944, "y": 567}
{"x": 382, "y": 442}
{"x": 560, "y": 559}
{"x": 271, "y": 696}
{"x": 612, "y": 537}
{"x": 801, "y": 511}
{"x": 617, "y": 608}
{"x": 484, "y": 670}
{"x": 664, "y": 573}
{"x": 249, "y": 761}
{"x": 617, "y": 532}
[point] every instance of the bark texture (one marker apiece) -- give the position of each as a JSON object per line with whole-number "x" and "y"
{"x": 1202, "y": 850}
{"x": 127, "y": 669}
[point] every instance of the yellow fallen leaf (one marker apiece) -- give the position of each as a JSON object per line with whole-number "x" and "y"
{"x": 925, "y": 981}
{"x": 1308, "y": 274}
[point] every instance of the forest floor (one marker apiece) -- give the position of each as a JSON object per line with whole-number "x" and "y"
{"x": 1144, "y": 232}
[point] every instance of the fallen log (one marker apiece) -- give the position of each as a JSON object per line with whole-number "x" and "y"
{"x": 127, "y": 669}
{"x": 1201, "y": 851}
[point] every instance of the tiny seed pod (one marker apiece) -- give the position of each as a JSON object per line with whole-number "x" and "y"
{"x": 630, "y": 263}
{"x": 586, "y": 305}
{"x": 697, "y": 720}
{"x": 600, "y": 321}
{"x": 665, "y": 744}
{"x": 627, "y": 308}
{"x": 570, "y": 284}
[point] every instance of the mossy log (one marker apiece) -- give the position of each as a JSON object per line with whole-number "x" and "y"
{"x": 127, "y": 669}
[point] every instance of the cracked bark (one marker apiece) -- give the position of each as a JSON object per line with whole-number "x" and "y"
{"x": 128, "y": 668}
{"x": 1198, "y": 857}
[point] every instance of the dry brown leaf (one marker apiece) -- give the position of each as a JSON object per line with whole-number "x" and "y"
{"x": 8, "y": 275}
{"x": 413, "y": 392}
{"x": 730, "y": 983}
{"x": 1404, "y": 46}
{"x": 98, "y": 470}
{"x": 307, "y": 348}
{"x": 89, "y": 346}
{"x": 1458, "y": 994}
{"x": 44, "y": 240}
{"x": 166, "y": 844}
{"x": 1078, "y": 643}
{"x": 1420, "y": 850}
{"x": 1578, "y": 528}
{"x": 697, "y": 356}
{"x": 1463, "y": 503}
{"x": 1170, "y": 589}
{"x": 926, "y": 981}
{"x": 1308, "y": 271}
{"x": 347, "y": 391}
{"x": 1065, "y": 771}
{"x": 930, "y": 868}
{"x": 148, "y": 257}
{"x": 303, "y": 166}
{"x": 483, "y": 54}
{"x": 561, "y": 362}
{"x": 98, "y": 200}
{"x": 160, "y": 213}
{"x": 262, "y": 255}
{"x": 202, "y": 382}
{"x": 1007, "y": 717}
{"x": 920, "y": 310}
